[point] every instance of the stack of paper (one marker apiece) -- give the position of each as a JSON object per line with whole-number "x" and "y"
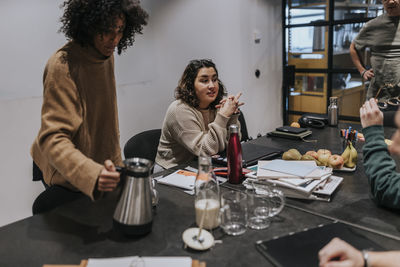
{"x": 297, "y": 179}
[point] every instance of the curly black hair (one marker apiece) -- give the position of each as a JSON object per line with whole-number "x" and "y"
{"x": 186, "y": 91}
{"x": 83, "y": 19}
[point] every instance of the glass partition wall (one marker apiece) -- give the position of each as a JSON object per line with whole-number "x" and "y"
{"x": 318, "y": 34}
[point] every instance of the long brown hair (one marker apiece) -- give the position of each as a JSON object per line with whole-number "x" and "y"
{"x": 186, "y": 91}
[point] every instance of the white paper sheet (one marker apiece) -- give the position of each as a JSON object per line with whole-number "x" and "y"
{"x": 294, "y": 168}
{"x": 135, "y": 261}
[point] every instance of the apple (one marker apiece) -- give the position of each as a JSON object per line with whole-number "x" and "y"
{"x": 323, "y": 151}
{"x": 335, "y": 161}
{"x": 323, "y": 156}
{"x": 307, "y": 157}
{"x": 312, "y": 153}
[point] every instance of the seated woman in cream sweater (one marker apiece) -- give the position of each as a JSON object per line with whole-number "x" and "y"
{"x": 197, "y": 121}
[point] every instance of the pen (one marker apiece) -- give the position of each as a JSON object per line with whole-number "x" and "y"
{"x": 305, "y": 184}
{"x": 322, "y": 185}
{"x": 379, "y": 91}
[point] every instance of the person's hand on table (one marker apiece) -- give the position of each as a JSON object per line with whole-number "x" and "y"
{"x": 108, "y": 178}
{"x": 338, "y": 253}
{"x": 370, "y": 114}
{"x": 230, "y": 105}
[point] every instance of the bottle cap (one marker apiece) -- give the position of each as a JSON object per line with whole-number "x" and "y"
{"x": 192, "y": 239}
{"x": 204, "y": 160}
{"x": 233, "y": 128}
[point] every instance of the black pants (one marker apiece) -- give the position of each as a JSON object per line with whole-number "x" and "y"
{"x": 53, "y": 196}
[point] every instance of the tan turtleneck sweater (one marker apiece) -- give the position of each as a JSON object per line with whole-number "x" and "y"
{"x": 79, "y": 121}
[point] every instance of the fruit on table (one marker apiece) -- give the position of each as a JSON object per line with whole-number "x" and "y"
{"x": 335, "y": 161}
{"x": 312, "y": 153}
{"x": 295, "y": 124}
{"x": 291, "y": 154}
{"x": 323, "y": 156}
{"x": 323, "y": 151}
{"x": 307, "y": 157}
{"x": 350, "y": 156}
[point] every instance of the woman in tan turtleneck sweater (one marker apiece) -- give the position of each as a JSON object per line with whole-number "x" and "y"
{"x": 78, "y": 141}
{"x": 196, "y": 123}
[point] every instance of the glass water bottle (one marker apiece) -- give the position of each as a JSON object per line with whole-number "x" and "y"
{"x": 207, "y": 202}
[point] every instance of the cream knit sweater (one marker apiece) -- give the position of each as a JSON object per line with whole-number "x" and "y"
{"x": 185, "y": 135}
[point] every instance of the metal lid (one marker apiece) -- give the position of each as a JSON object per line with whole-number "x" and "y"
{"x": 138, "y": 167}
{"x": 233, "y": 128}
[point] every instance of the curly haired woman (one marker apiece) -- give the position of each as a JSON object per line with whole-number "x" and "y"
{"x": 197, "y": 121}
{"x": 78, "y": 142}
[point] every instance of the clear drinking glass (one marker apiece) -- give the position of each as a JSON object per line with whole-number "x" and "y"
{"x": 273, "y": 199}
{"x": 259, "y": 210}
{"x": 234, "y": 212}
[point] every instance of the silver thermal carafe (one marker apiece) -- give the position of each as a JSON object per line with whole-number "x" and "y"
{"x": 133, "y": 214}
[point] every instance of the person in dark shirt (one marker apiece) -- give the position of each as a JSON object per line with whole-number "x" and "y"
{"x": 379, "y": 166}
{"x": 384, "y": 181}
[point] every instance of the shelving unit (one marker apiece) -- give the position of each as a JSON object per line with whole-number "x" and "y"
{"x": 317, "y": 36}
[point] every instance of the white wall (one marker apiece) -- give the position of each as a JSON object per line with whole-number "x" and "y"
{"x": 178, "y": 31}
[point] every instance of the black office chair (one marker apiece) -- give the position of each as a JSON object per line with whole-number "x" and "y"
{"x": 243, "y": 128}
{"x": 143, "y": 145}
{"x": 53, "y": 196}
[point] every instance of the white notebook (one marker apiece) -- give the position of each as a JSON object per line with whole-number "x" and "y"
{"x": 275, "y": 169}
{"x": 181, "y": 178}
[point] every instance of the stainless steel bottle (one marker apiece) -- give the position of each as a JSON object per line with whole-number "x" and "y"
{"x": 133, "y": 214}
{"x": 234, "y": 156}
{"x": 333, "y": 111}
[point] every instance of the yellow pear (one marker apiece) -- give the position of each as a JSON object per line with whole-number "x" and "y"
{"x": 350, "y": 156}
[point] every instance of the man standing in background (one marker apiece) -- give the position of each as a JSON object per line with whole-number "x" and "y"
{"x": 382, "y": 36}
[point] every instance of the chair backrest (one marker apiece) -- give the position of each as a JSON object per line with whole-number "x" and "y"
{"x": 143, "y": 145}
{"x": 243, "y": 128}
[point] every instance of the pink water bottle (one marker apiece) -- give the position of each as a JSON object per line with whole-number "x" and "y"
{"x": 234, "y": 152}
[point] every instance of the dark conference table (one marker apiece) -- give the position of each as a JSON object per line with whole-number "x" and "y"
{"x": 83, "y": 229}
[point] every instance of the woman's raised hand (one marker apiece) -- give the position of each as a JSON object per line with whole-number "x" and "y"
{"x": 230, "y": 105}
